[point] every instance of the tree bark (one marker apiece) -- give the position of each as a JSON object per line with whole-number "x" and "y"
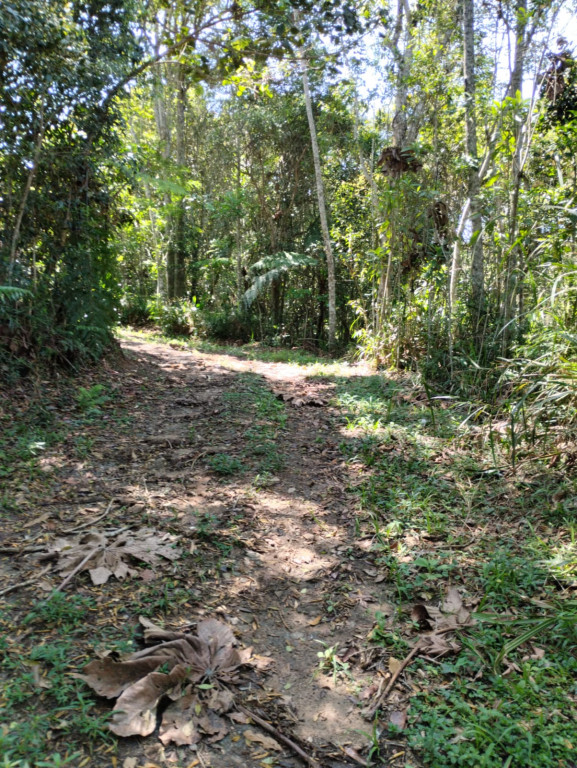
{"x": 321, "y": 202}
{"x": 26, "y": 192}
{"x": 473, "y": 186}
{"x": 513, "y": 259}
{"x": 177, "y": 259}
{"x": 404, "y": 63}
{"x": 384, "y": 289}
{"x": 239, "y": 275}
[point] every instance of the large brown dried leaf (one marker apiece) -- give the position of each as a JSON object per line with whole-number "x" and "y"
{"x": 111, "y": 557}
{"x": 110, "y": 678}
{"x": 187, "y": 659}
{"x": 437, "y": 645}
{"x": 178, "y": 723}
{"x": 451, "y": 614}
{"x": 135, "y": 710}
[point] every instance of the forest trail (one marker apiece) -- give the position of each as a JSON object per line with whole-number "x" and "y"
{"x": 289, "y": 583}
{"x": 323, "y": 512}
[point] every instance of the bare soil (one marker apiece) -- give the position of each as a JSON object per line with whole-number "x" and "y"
{"x": 276, "y": 558}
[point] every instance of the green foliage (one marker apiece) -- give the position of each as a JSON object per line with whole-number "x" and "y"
{"x": 90, "y": 400}
{"x": 521, "y": 720}
{"x": 57, "y": 176}
{"x": 60, "y": 610}
{"x": 175, "y": 318}
{"x": 275, "y": 267}
{"x": 12, "y": 292}
{"x": 225, "y": 325}
{"x": 223, "y": 464}
{"x": 24, "y": 737}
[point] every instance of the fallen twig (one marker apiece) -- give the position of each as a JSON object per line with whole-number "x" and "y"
{"x": 196, "y": 458}
{"x": 78, "y": 568}
{"x": 370, "y": 713}
{"x": 280, "y": 736}
{"x": 25, "y": 583}
{"x": 91, "y": 522}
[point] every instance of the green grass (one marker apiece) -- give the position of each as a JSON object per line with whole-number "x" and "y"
{"x": 268, "y": 422}
{"x": 526, "y": 719}
{"x": 42, "y": 705}
{"x": 508, "y": 546}
{"x": 223, "y": 464}
{"x": 253, "y": 351}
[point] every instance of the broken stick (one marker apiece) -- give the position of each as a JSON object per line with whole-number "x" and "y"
{"x": 280, "y": 736}
{"x": 370, "y": 713}
{"x": 25, "y": 583}
{"x": 91, "y": 522}
{"x": 78, "y": 568}
{"x": 394, "y": 677}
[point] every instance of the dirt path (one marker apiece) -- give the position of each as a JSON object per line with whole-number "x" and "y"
{"x": 333, "y": 540}
{"x": 292, "y": 585}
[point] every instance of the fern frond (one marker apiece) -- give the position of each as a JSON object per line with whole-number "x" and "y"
{"x": 13, "y": 292}
{"x": 276, "y": 265}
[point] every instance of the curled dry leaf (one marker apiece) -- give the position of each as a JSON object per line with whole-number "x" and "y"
{"x": 398, "y": 718}
{"x": 451, "y": 614}
{"x": 138, "y": 684}
{"x": 112, "y": 556}
{"x": 254, "y": 737}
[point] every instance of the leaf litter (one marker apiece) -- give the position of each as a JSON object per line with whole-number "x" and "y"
{"x": 450, "y": 616}
{"x": 107, "y": 556}
{"x": 194, "y": 672}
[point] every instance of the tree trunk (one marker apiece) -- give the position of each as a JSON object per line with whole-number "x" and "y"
{"x": 404, "y": 64}
{"x": 177, "y": 257}
{"x": 513, "y": 259}
{"x": 384, "y": 289}
{"x": 239, "y": 275}
{"x": 321, "y": 202}
{"x": 477, "y": 266}
{"x": 27, "y": 187}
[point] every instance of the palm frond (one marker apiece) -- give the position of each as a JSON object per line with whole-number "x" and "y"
{"x": 275, "y": 265}
{"x": 13, "y": 292}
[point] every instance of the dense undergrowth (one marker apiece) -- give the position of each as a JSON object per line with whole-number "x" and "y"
{"x": 509, "y": 696}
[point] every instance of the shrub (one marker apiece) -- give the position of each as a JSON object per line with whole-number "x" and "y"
{"x": 226, "y": 326}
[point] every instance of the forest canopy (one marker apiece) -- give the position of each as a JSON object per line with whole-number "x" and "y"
{"x": 394, "y": 178}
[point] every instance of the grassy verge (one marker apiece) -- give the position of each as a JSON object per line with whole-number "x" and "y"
{"x": 441, "y": 514}
{"x": 255, "y": 351}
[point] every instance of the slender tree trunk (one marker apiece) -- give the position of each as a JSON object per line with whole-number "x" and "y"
{"x": 321, "y": 202}
{"x": 404, "y": 64}
{"x": 177, "y": 280}
{"x": 239, "y": 276}
{"x": 163, "y": 128}
{"x": 26, "y": 192}
{"x": 514, "y": 256}
{"x": 473, "y": 186}
{"x": 384, "y": 289}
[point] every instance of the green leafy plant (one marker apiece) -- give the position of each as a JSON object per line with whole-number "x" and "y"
{"x": 329, "y": 661}
{"x": 62, "y": 610}
{"x": 224, "y": 464}
{"x": 91, "y": 399}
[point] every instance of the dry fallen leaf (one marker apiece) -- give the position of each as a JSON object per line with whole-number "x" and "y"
{"x": 451, "y": 614}
{"x": 398, "y": 718}
{"x": 267, "y": 742}
{"x": 137, "y": 684}
{"x": 354, "y": 755}
{"x": 111, "y": 557}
